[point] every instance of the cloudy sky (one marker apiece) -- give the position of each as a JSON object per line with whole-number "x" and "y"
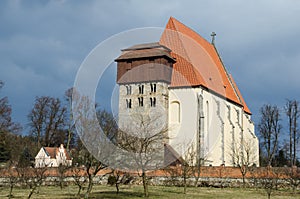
{"x": 43, "y": 43}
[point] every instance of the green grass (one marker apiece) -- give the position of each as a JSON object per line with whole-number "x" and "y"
{"x": 132, "y": 192}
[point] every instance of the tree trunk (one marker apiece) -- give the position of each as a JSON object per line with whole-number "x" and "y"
{"x": 184, "y": 185}
{"x": 291, "y": 142}
{"x": 61, "y": 183}
{"x": 244, "y": 183}
{"x": 31, "y": 192}
{"x": 295, "y": 142}
{"x": 198, "y": 175}
{"x": 117, "y": 187}
{"x": 69, "y": 140}
{"x": 79, "y": 190}
{"x": 90, "y": 187}
{"x": 145, "y": 184}
{"x": 10, "y": 191}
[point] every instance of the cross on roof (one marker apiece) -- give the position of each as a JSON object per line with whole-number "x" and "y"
{"x": 213, "y": 35}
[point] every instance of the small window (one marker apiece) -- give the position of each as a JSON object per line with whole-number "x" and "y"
{"x": 153, "y": 88}
{"x": 141, "y": 89}
{"x": 152, "y": 101}
{"x": 128, "y": 90}
{"x": 141, "y": 103}
{"x": 128, "y": 103}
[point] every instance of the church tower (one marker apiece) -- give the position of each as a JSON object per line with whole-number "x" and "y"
{"x": 143, "y": 73}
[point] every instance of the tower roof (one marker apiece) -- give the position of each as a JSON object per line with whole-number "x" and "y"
{"x": 145, "y": 51}
{"x": 198, "y": 63}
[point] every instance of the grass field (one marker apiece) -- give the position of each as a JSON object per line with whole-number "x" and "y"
{"x": 108, "y": 192}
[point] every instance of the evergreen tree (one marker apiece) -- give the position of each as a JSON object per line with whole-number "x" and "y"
{"x": 4, "y": 148}
{"x": 25, "y": 158}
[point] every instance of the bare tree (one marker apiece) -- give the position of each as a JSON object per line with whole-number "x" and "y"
{"x": 269, "y": 128}
{"x": 62, "y": 169}
{"x": 11, "y": 173}
{"x": 119, "y": 177}
{"x": 69, "y": 120}
{"x": 243, "y": 156}
{"x": 188, "y": 168}
{"x": 78, "y": 174}
{"x": 269, "y": 177}
{"x": 293, "y": 113}
{"x": 45, "y": 119}
{"x": 93, "y": 153}
{"x": 92, "y": 168}
{"x": 6, "y": 123}
{"x": 146, "y": 142}
{"x": 8, "y": 128}
{"x": 32, "y": 177}
{"x": 292, "y": 176}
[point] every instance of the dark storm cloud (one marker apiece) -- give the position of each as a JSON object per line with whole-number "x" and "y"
{"x": 42, "y": 43}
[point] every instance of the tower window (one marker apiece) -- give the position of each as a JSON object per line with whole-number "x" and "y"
{"x": 128, "y": 89}
{"x": 141, "y": 102}
{"x": 128, "y": 103}
{"x": 153, "y": 88}
{"x": 141, "y": 89}
{"x": 152, "y": 101}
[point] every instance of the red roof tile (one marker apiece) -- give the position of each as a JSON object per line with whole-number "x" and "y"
{"x": 198, "y": 62}
{"x": 52, "y": 151}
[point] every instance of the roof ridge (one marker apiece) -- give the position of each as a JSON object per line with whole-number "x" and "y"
{"x": 227, "y": 74}
{"x": 190, "y": 30}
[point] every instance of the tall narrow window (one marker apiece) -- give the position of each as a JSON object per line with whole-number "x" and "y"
{"x": 128, "y": 103}
{"x": 152, "y": 101}
{"x": 141, "y": 103}
{"x": 153, "y": 88}
{"x": 141, "y": 89}
{"x": 128, "y": 89}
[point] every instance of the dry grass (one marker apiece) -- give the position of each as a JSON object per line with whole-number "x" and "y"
{"x": 101, "y": 191}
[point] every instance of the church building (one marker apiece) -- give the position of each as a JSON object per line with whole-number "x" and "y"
{"x": 182, "y": 81}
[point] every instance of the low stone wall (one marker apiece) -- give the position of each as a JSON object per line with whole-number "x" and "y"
{"x": 158, "y": 181}
{"x": 209, "y": 177}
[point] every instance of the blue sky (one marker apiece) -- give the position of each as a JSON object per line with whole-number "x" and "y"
{"x": 43, "y": 43}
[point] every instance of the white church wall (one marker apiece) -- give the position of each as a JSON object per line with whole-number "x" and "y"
{"x": 224, "y": 125}
{"x": 182, "y": 132}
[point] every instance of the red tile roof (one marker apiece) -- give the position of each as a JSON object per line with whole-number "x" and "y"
{"x": 198, "y": 62}
{"x": 53, "y": 151}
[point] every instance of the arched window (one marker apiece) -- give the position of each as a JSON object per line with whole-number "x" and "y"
{"x": 128, "y": 103}
{"x": 141, "y": 89}
{"x": 175, "y": 112}
{"x": 141, "y": 101}
{"x": 152, "y": 101}
{"x": 153, "y": 87}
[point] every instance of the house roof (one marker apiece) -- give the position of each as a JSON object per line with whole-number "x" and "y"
{"x": 198, "y": 63}
{"x": 53, "y": 151}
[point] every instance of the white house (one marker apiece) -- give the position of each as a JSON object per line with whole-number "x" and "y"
{"x": 183, "y": 78}
{"x": 53, "y": 157}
